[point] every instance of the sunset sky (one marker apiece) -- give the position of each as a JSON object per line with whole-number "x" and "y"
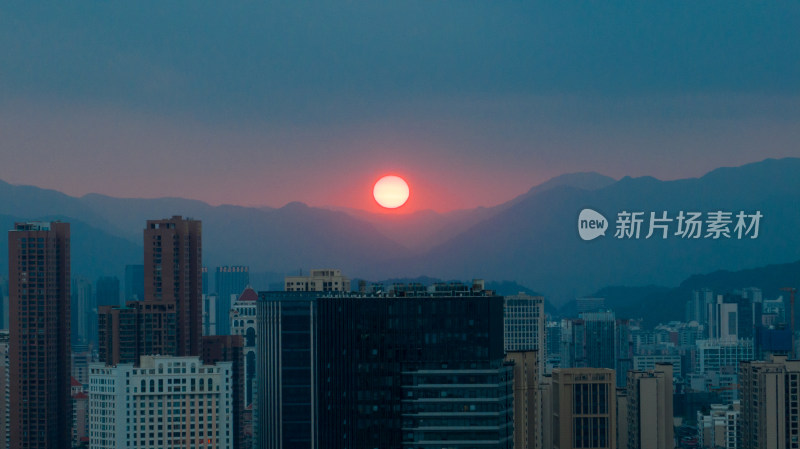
{"x": 472, "y": 102}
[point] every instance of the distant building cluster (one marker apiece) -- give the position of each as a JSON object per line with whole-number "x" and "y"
{"x": 165, "y": 359}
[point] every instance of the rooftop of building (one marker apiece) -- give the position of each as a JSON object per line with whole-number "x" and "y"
{"x": 397, "y": 290}
{"x": 248, "y": 295}
{"x": 34, "y": 225}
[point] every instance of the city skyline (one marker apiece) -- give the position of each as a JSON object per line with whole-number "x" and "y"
{"x": 417, "y": 224}
{"x": 429, "y": 349}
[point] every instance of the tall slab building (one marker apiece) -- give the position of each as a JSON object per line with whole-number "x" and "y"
{"x": 169, "y": 319}
{"x": 173, "y": 274}
{"x": 414, "y": 368}
{"x": 584, "y": 408}
{"x": 524, "y": 326}
{"x": 39, "y": 340}
{"x": 770, "y": 414}
{"x": 649, "y": 408}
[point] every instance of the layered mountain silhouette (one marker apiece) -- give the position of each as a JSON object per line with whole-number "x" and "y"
{"x": 656, "y": 304}
{"x": 531, "y": 240}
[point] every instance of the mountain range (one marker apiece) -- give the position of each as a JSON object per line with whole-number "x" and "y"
{"x": 531, "y": 239}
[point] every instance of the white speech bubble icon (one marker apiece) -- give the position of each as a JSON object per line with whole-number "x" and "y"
{"x": 591, "y": 224}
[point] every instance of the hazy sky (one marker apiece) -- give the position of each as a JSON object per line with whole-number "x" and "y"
{"x": 473, "y": 102}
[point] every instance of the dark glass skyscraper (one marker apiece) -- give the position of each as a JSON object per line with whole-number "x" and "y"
{"x": 39, "y": 341}
{"x": 286, "y": 396}
{"x": 347, "y": 370}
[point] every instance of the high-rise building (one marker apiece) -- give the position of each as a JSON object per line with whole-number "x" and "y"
{"x": 286, "y": 324}
{"x": 649, "y": 362}
{"x": 327, "y": 280}
{"x": 600, "y": 339}
{"x": 590, "y": 341}
{"x": 546, "y": 412}
{"x": 697, "y": 306}
{"x": 649, "y": 408}
{"x": 210, "y": 317}
{"x": 748, "y": 313}
{"x": 584, "y": 408}
{"x": 715, "y": 355}
{"x": 4, "y": 391}
{"x": 585, "y": 305}
{"x": 773, "y": 310}
{"x": 573, "y": 351}
{"x": 134, "y": 282}
{"x": 243, "y": 322}
{"x": 80, "y": 415}
{"x": 173, "y": 274}
{"x": 205, "y": 280}
{"x": 723, "y": 320}
{"x": 229, "y": 281}
{"x": 83, "y": 313}
{"x": 527, "y": 405}
{"x": 524, "y": 326}
{"x": 169, "y": 320}
{"x": 770, "y": 414}
{"x": 3, "y": 302}
{"x": 140, "y": 328}
{"x": 406, "y": 368}
{"x": 163, "y": 403}
{"x": 622, "y": 418}
{"x": 719, "y": 428}
{"x": 107, "y": 291}
{"x": 772, "y": 342}
{"x": 623, "y": 342}
{"x": 39, "y": 356}
{"x": 553, "y": 340}
{"x": 80, "y": 365}
{"x": 229, "y": 348}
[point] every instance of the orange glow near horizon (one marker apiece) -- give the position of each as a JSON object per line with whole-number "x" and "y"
{"x": 391, "y": 192}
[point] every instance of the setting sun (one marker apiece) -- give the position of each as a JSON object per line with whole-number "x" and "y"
{"x": 391, "y": 192}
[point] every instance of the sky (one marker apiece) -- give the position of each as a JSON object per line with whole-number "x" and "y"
{"x": 262, "y": 103}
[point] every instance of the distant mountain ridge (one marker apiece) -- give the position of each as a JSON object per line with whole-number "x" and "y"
{"x": 531, "y": 240}
{"x": 535, "y": 241}
{"x": 658, "y": 304}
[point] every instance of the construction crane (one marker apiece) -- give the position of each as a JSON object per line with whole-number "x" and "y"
{"x": 791, "y": 291}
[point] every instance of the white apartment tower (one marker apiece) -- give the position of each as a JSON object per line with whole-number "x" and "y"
{"x": 165, "y": 403}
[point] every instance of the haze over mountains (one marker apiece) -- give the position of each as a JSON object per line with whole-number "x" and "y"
{"x": 531, "y": 239}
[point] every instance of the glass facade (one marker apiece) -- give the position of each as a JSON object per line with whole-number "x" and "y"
{"x": 462, "y": 409}
{"x": 284, "y": 411}
{"x": 350, "y": 371}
